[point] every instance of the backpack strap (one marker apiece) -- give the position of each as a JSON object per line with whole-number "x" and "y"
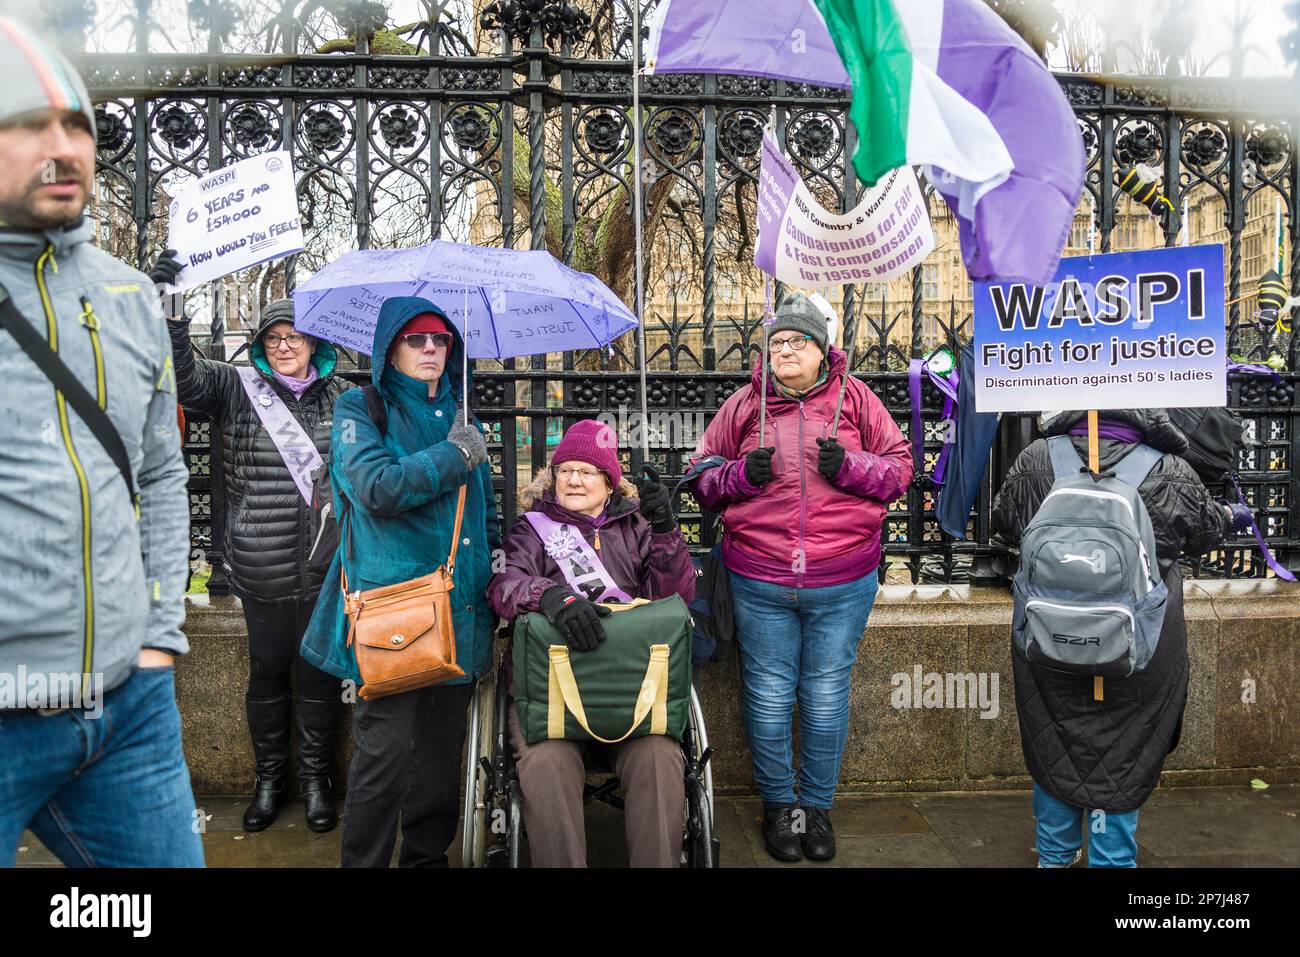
{"x": 375, "y": 407}
{"x": 1065, "y": 460}
{"x": 1133, "y": 468}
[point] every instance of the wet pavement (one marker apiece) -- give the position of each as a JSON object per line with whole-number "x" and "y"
{"x": 1178, "y": 827}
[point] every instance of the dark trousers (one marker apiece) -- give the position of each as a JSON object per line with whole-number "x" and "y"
{"x": 405, "y": 764}
{"x": 275, "y": 630}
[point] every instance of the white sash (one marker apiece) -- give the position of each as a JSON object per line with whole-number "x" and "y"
{"x": 293, "y": 443}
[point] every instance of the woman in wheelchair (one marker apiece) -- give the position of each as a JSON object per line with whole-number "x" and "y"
{"x": 633, "y": 533}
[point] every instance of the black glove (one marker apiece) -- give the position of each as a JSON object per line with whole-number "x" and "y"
{"x": 829, "y": 458}
{"x": 758, "y": 466}
{"x": 576, "y": 618}
{"x": 164, "y": 273}
{"x": 655, "y": 505}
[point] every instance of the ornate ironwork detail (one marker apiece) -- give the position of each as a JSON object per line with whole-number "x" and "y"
{"x": 323, "y": 130}
{"x": 1267, "y": 146}
{"x": 111, "y": 130}
{"x": 1082, "y": 93}
{"x": 604, "y": 131}
{"x": 673, "y": 84}
{"x": 1204, "y": 146}
{"x": 470, "y": 80}
{"x": 170, "y": 76}
{"x": 251, "y": 127}
{"x": 559, "y": 20}
{"x": 470, "y": 128}
{"x": 602, "y": 81}
{"x": 1141, "y": 95}
{"x": 399, "y": 78}
{"x": 813, "y": 139}
{"x": 746, "y": 86}
{"x": 262, "y": 76}
{"x": 743, "y": 135}
{"x": 1139, "y": 143}
{"x": 177, "y": 126}
{"x": 398, "y": 126}
{"x": 325, "y": 77}
{"x": 673, "y": 131}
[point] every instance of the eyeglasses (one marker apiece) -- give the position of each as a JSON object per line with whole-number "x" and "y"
{"x": 794, "y": 342}
{"x": 294, "y": 339}
{"x": 417, "y": 340}
{"x": 586, "y": 476}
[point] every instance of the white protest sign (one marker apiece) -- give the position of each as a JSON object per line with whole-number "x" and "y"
{"x": 239, "y": 216}
{"x": 801, "y": 243}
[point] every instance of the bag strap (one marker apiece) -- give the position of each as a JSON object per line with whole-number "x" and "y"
{"x": 67, "y": 385}
{"x": 1137, "y": 465}
{"x": 1065, "y": 459}
{"x": 455, "y": 532}
{"x": 562, "y": 694}
{"x": 375, "y": 407}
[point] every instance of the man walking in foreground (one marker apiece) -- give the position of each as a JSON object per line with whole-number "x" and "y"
{"x": 93, "y": 505}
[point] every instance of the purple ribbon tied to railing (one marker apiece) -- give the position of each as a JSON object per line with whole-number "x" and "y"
{"x": 947, "y": 384}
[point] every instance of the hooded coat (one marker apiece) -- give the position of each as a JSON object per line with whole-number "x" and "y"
{"x": 1108, "y": 754}
{"x": 270, "y": 528}
{"x": 800, "y": 529}
{"x": 395, "y": 496}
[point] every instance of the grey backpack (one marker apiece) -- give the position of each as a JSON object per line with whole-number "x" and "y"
{"x": 1088, "y": 596}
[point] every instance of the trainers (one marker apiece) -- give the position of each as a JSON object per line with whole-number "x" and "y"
{"x": 778, "y": 834}
{"x": 818, "y": 835}
{"x": 1078, "y": 856}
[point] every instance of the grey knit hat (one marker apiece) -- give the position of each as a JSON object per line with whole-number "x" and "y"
{"x": 35, "y": 76}
{"x": 798, "y": 314}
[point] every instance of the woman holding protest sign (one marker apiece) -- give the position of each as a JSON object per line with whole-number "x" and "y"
{"x": 275, "y": 417}
{"x": 803, "y": 499}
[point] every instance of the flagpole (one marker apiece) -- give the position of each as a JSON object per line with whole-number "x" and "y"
{"x": 637, "y": 224}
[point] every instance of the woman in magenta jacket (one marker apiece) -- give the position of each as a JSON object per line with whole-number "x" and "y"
{"x": 802, "y": 514}
{"x": 633, "y": 533}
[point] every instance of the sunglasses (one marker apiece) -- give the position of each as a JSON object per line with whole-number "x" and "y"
{"x": 417, "y": 340}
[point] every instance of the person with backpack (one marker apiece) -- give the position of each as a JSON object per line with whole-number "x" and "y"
{"x": 94, "y": 505}
{"x": 803, "y": 512}
{"x": 1099, "y": 644}
{"x": 275, "y": 417}
{"x": 401, "y": 458}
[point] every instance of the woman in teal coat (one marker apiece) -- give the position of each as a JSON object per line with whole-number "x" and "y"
{"x": 396, "y": 496}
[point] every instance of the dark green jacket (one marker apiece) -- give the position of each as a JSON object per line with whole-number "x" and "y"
{"x": 400, "y": 491}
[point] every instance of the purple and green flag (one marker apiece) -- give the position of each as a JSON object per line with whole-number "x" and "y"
{"x": 939, "y": 83}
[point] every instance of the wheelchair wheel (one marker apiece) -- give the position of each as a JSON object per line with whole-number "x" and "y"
{"x": 476, "y": 818}
{"x": 514, "y": 823}
{"x": 700, "y": 846}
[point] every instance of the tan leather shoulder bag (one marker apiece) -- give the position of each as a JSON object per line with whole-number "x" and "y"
{"x": 403, "y": 633}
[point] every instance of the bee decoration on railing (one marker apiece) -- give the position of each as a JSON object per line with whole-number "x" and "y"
{"x": 1274, "y": 304}
{"x": 1143, "y": 184}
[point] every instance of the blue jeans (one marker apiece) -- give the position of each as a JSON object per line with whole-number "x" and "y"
{"x": 107, "y": 791}
{"x": 1112, "y": 838}
{"x": 798, "y": 644}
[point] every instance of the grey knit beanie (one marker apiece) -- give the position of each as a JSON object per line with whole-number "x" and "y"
{"x": 35, "y": 76}
{"x": 798, "y": 314}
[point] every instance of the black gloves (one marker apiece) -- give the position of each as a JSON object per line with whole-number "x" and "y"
{"x": 576, "y": 618}
{"x": 164, "y": 272}
{"x": 655, "y": 505}
{"x": 758, "y": 466}
{"x": 829, "y": 458}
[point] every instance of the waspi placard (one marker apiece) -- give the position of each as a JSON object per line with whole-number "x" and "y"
{"x": 1120, "y": 330}
{"x": 239, "y": 216}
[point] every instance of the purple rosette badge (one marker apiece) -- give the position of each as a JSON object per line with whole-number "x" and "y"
{"x": 561, "y": 543}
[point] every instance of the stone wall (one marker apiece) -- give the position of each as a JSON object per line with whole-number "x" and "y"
{"x": 1242, "y": 636}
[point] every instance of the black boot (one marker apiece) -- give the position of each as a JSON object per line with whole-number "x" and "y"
{"x": 318, "y": 723}
{"x": 779, "y": 834}
{"x": 268, "y": 724}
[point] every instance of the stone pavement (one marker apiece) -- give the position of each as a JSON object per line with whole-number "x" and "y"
{"x": 1179, "y": 827}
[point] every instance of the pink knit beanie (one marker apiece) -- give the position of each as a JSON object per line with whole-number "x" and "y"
{"x": 595, "y": 443}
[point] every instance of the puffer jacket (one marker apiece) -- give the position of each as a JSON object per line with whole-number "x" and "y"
{"x": 642, "y": 562}
{"x": 270, "y": 528}
{"x": 86, "y": 581}
{"x": 1108, "y": 754}
{"x": 396, "y": 495}
{"x": 799, "y": 529}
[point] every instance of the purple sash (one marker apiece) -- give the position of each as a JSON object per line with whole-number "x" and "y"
{"x": 294, "y": 445}
{"x": 578, "y": 561}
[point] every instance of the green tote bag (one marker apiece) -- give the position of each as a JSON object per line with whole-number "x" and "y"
{"x": 637, "y": 683}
